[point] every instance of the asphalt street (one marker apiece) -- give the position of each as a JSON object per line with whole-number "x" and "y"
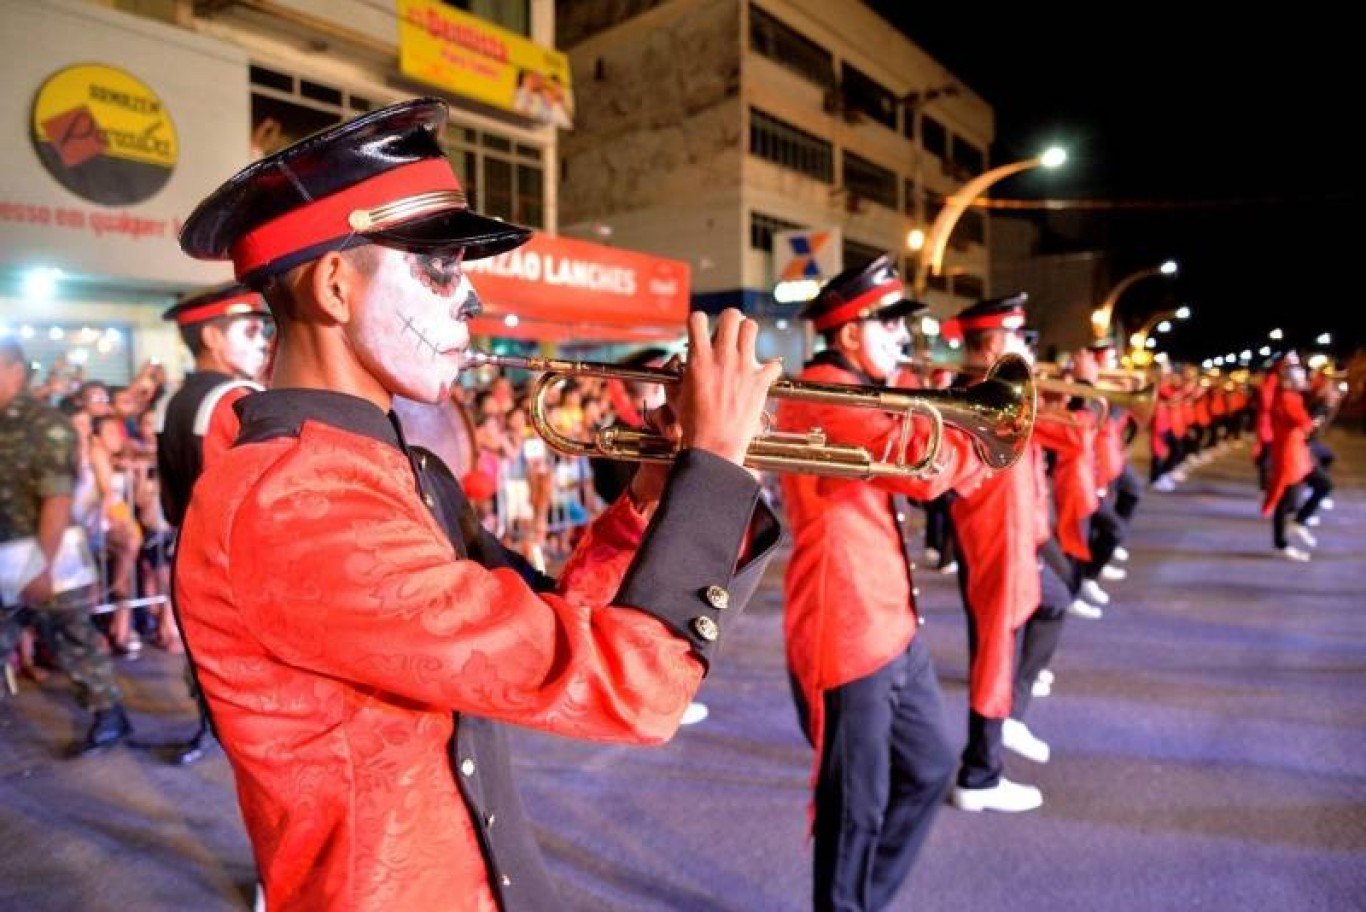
{"x": 1208, "y": 735}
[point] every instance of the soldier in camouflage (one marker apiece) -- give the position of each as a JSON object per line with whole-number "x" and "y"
{"x": 37, "y": 474}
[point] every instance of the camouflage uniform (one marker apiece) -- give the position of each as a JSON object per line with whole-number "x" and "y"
{"x": 38, "y": 461}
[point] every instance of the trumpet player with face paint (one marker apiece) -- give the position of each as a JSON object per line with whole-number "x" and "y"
{"x": 866, "y": 693}
{"x": 360, "y": 639}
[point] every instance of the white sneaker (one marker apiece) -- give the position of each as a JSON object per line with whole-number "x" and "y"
{"x": 1290, "y": 552}
{"x": 1041, "y": 688}
{"x": 1111, "y": 572}
{"x": 1178, "y": 476}
{"x": 1164, "y": 484}
{"x": 695, "y": 713}
{"x": 1016, "y": 736}
{"x": 1091, "y": 591}
{"x": 931, "y": 556}
{"x": 1121, "y": 554}
{"x": 1083, "y": 609}
{"x": 1326, "y": 503}
{"x": 950, "y": 567}
{"x": 1046, "y": 675}
{"x": 1006, "y": 796}
{"x": 1312, "y": 521}
{"x": 1303, "y": 534}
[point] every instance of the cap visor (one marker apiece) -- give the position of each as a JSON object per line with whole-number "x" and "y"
{"x": 479, "y": 235}
{"x": 903, "y": 308}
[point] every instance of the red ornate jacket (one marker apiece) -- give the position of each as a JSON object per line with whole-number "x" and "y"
{"x": 344, "y": 648}
{"x": 1074, "y": 477}
{"x": 849, "y": 606}
{"x": 998, "y": 529}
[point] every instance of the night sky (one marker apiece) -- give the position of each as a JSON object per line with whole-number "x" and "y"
{"x": 1222, "y": 144}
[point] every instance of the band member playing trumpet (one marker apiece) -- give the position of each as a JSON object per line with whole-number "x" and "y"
{"x": 358, "y": 636}
{"x": 1000, "y": 525}
{"x": 866, "y": 692}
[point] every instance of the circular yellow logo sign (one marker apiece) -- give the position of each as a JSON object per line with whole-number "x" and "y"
{"x": 104, "y": 135}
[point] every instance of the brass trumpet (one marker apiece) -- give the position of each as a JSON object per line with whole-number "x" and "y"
{"x": 998, "y": 414}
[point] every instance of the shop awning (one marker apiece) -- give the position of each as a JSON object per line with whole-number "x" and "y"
{"x": 559, "y": 289}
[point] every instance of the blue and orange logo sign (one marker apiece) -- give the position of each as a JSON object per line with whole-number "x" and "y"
{"x": 806, "y": 251}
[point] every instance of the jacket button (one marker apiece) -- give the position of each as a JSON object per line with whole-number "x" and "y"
{"x": 901, "y": 517}
{"x": 467, "y": 766}
{"x": 717, "y": 597}
{"x": 706, "y": 628}
{"x": 505, "y": 880}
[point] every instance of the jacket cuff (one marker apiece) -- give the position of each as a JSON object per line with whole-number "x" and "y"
{"x": 686, "y": 573}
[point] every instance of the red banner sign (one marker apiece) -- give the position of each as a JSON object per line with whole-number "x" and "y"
{"x": 562, "y": 288}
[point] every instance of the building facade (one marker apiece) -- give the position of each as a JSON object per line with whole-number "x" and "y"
{"x": 705, "y": 126}
{"x": 136, "y": 109}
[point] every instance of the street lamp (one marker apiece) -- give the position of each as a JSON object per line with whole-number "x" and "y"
{"x": 1103, "y": 315}
{"x": 931, "y": 260}
{"x": 1161, "y": 322}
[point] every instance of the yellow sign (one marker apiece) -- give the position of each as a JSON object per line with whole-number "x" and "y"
{"x": 467, "y": 56}
{"x": 104, "y": 135}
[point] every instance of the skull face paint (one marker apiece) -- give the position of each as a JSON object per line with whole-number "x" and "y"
{"x": 244, "y": 346}
{"x": 881, "y": 343}
{"x": 410, "y": 329}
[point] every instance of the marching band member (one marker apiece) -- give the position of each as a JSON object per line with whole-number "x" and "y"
{"x": 357, "y": 634}
{"x": 1292, "y": 464}
{"x": 999, "y": 525}
{"x": 1114, "y": 472}
{"x": 866, "y": 691}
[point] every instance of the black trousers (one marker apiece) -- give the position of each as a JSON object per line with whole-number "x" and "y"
{"x": 1175, "y": 453}
{"x": 938, "y": 531}
{"x": 1263, "y": 463}
{"x": 983, "y": 757}
{"x": 886, "y": 765}
{"x": 1104, "y": 534}
{"x": 1038, "y": 639}
{"x": 1128, "y": 491}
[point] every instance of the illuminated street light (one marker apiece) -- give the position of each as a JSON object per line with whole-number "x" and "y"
{"x": 1164, "y": 326}
{"x": 1264, "y": 351}
{"x": 1183, "y": 313}
{"x": 931, "y": 260}
{"x": 1104, "y": 315}
{"x": 1324, "y": 339}
{"x": 1275, "y": 334}
{"x": 915, "y": 239}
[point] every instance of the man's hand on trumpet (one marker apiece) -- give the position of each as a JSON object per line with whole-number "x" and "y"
{"x": 719, "y": 402}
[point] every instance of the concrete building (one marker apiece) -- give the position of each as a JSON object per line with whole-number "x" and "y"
{"x": 704, "y": 126}
{"x": 174, "y": 96}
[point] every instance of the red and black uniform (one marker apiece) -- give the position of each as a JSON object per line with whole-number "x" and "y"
{"x": 196, "y": 427}
{"x": 865, "y": 689}
{"x": 359, "y": 638}
{"x": 1291, "y": 464}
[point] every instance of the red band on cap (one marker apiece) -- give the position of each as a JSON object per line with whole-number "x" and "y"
{"x": 855, "y": 307}
{"x": 327, "y": 218}
{"x": 227, "y": 307}
{"x": 1010, "y": 319}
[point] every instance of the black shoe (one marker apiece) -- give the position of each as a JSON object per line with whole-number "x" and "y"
{"x": 109, "y": 728}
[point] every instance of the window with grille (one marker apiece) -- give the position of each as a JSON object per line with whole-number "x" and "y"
{"x": 934, "y": 137}
{"x": 968, "y": 160}
{"x": 870, "y": 181}
{"x": 857, "y": 254}
{"x": 783, "y": 144}
{"x": 863, "y": 93}
{"x": 762, "y": 228}
{"x": 789, "y": 48}
{"x": 501, "y": 177}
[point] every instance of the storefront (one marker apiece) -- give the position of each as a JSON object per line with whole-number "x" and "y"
{"x": 119, "y": 126}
